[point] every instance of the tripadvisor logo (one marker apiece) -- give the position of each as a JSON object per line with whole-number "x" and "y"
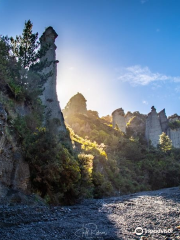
{"x": 139, "y": 231}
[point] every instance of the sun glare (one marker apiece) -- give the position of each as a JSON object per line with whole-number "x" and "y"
{"x": 80, "y": 75}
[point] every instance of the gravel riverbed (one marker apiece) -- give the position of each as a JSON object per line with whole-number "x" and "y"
{"x": 146, "y": 215}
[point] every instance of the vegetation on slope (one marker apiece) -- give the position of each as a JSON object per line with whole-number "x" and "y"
{"x": 104, "y": 161}
{"x": 130, "y": 166}
{"x": 55, "y": 171}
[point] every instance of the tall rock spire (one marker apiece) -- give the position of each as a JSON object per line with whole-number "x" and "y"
{"x": 153, "y": 127}
{"x": 49, "y": 97}
{"x": 118, "y": 118}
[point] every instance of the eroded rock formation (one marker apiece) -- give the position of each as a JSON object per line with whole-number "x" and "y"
{"x": 163, "y": 120}
{"x": 150, "y": 127}
{"x": 153, "y": 127}
{"x": 77, "y": 104}
{"x": 174, "y": 135}
{"x": 136, "y": 126}
{"x": 119, "y": 119}
{"x": 128, "y": 116}
{"x": 14, "y": 171}
{"x": 130, "y": 123}
{"x": 158, "y": 123}
{"x": 49, "y": 97}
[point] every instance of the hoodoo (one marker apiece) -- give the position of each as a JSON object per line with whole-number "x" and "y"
{"x": 49, "y": 97}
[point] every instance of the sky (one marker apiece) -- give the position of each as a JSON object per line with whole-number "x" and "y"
{"x": 117, "y": 53}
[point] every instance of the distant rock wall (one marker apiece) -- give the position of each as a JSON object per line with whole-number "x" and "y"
{"x": 130, "y": 123}
{"x": 174, "y": 135}
{"x": 163, "y": 120}
{"x": 158, "y": 123}
{"x": 153, "y": 127}
{"x": 173, "y": 118}
{"x": 119, "y": 119}
{"x": 136, "y": 126}
{"x": 128, "y": 116}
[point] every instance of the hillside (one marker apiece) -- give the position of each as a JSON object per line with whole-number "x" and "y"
{"x": 84, "y": 157}
{"x": 127, "y": 163}
{"x": 35, "y": 146}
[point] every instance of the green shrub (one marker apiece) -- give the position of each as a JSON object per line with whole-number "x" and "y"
{"x": 175, "y": 124}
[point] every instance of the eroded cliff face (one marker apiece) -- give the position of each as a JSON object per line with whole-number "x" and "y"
{"x": 163, "y": 120}
{"x": 153, "y": 127}
{"x": 130, "y": 123}
{"x": 174, "y": 135}
{"x": 14, "y": 171}
{"x": 119, "y": 119}
{"x": 128, "y": 116}
{"x": 156, "y": 124}
{"x": 77, "y": 104}
{"x": 136, "y": 126}
{"x": 149, "y": 126}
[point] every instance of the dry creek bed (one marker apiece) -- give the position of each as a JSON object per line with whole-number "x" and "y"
{"x": 146, "y": 215}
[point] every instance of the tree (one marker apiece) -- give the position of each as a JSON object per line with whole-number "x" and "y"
{"x": 4, "y": 59}
{"x": 9, "y": 69}
{"x": 24, "y": 47}
{"x": 27, "y": 52}
{"x": 165, "y": 142}
{"x": 86, "y": 169}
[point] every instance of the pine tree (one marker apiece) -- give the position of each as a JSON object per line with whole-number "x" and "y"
{"x": 27, "y": 52}
{"x": 4, "y": 59}
{"x": 25, "y": 47}
{"x": 9, "y": 69}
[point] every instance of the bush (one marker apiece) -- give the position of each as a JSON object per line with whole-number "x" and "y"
{"x": 54, "y": 171}
{"x": 86, "y": 169}
{"x": 175, "y": 124}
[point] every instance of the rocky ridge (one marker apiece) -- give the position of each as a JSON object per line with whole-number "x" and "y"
{"x": 150, "y": 126}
